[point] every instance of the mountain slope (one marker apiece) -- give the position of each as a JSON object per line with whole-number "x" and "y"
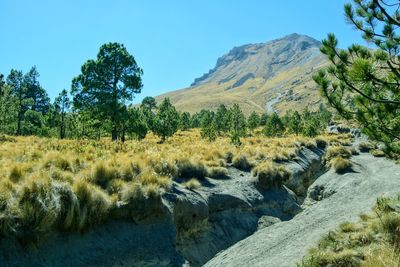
{"x": 276, "y": 75}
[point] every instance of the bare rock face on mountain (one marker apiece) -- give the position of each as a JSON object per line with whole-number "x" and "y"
{"x": 272, "y": 76}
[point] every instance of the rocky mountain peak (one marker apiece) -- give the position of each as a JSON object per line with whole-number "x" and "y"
{"x": 261, "y": 60}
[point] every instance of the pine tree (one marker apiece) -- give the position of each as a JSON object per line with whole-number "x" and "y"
{"x": 185, "y": 121}
{"x": 362, "y": 83}
{"x": 62, "y": 105}
{"x": 166, "y": 121}
{"x": 253, "y": 121}
{"x": 237, "y": 125}
{"x": 107, "y": 84}
{"x": 222, "y": 119}
{"x": 136, "y": 123}
{"x": 274, "y": 126}
{"x": 294, "y": 123}
{"x": 263, "y": 119}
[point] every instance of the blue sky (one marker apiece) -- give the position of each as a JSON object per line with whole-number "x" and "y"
{"x": 173, "y": 41}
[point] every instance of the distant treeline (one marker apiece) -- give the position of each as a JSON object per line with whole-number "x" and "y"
{"x": 99, "y": 104}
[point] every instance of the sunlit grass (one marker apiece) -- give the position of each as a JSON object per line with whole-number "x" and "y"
{"x": 71, "y": 185}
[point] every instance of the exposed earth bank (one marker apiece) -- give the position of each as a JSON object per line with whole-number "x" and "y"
{"x": 252, "y": 226}
{"x": 342, "y": 198}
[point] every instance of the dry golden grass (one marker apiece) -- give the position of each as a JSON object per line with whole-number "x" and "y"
{"x": 50, "y": 184}
{"x": 373, "y": 241}
{"x": 192, "y": 184}
{"x": 341, "y": 165}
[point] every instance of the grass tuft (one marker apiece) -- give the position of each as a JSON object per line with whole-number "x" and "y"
{"x": 218, "y": 173}
{"x": 192, "y": 184}
{"x": 341, "y": 165}
{"x": 189, "y": 168}
{"x": 241, "y": 161}
{"x": 270, "y": 175}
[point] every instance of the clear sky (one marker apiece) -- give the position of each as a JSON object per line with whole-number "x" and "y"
{"x": 173, "y": 41}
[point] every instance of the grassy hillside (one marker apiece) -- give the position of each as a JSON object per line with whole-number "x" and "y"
{"x": 275, "y": 76}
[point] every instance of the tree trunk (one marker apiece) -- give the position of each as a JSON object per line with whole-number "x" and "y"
{"x": 123, "y": 135}
{"x": 62, "y": 127}
{"x": 19, "y": 123}
{"x": 114, "y": 133}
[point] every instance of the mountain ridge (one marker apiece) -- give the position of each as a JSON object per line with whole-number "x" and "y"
{"x": 259, "y": 77}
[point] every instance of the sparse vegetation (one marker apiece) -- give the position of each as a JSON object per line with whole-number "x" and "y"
{"x": 373, "y": 241}
{"x": 341, "y": 165}
{"x": 270, "y": 175}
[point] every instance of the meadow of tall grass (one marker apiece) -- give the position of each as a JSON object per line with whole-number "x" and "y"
{"x": 72, "y": 185}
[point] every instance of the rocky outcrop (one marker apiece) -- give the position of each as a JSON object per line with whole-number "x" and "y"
{"x": 331, "y": 200}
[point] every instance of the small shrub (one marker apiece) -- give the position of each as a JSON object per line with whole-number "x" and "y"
{"x": 130, "y": 171}
{"x": 377, "y": 153}
{"x": 348, "y": 227}
{"x": 61, "y": 176}
{"x": 63, "y": 164}
{"x": 228, "y": 156}
{"x": 341, "y": 165}
{"x": 311, "y": 144}
{"x": 365, "y": 147}
{"x": 189, "y": 168}
{"x": 16, "y": 173}
{"x": 69, "y": 205}
{"x": 337, "y": 151}
{"x": 321, "y": 143}
{"x": 348, "y": 258}
{"x": 391, "y": 226}
{"x": 116, "y": 186}
{"x": 218, "y": 172}
{"x": 9, "y": 211}
{"x": 382, "y": 256}
{"x": 270, "y": 175}
{"x": 102, "y": 175}
{"x": 354, "y": 151}
{"x": 165, "y": 167}
{"x": 133, "y": 193}
{"x": 192, "y": 184}
{"x": 149, "y": 177}
{"x": 40, "y": 208}
{"x": 241, "y": 161}
{"x": 54, "y": 159}
{"x": 94, "y": 204}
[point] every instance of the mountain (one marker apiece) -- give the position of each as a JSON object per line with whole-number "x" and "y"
{"x": 271, "y": 76}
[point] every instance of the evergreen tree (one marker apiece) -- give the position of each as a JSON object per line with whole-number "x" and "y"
{"x": 274, "y": 126}
{"x": 294, "y": 123}
{"x": 62, "y": 105}
{"x": 237, "y": 125}
{"x": 195, "y": 121}
{"x": 18, "y": 89}
{"x": 209, "y": 131}
{"x": 253, "y": 121}
{"x": 40, "y": 102}
{"x": 166, "y": 121}
{"x": 2, "y": 84}
{"x": 137, "y": 125}
{"x": 222, "y": 119}
{"x": 149, "y": 107}
{"x": 185, "y": 121}
{"x": 8, "y": 110}
{"x": 263, "y": 119}
{"x": 362, "y": 83}
{"x": 106, "y": 84}
{"x": 34, "y": 123}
